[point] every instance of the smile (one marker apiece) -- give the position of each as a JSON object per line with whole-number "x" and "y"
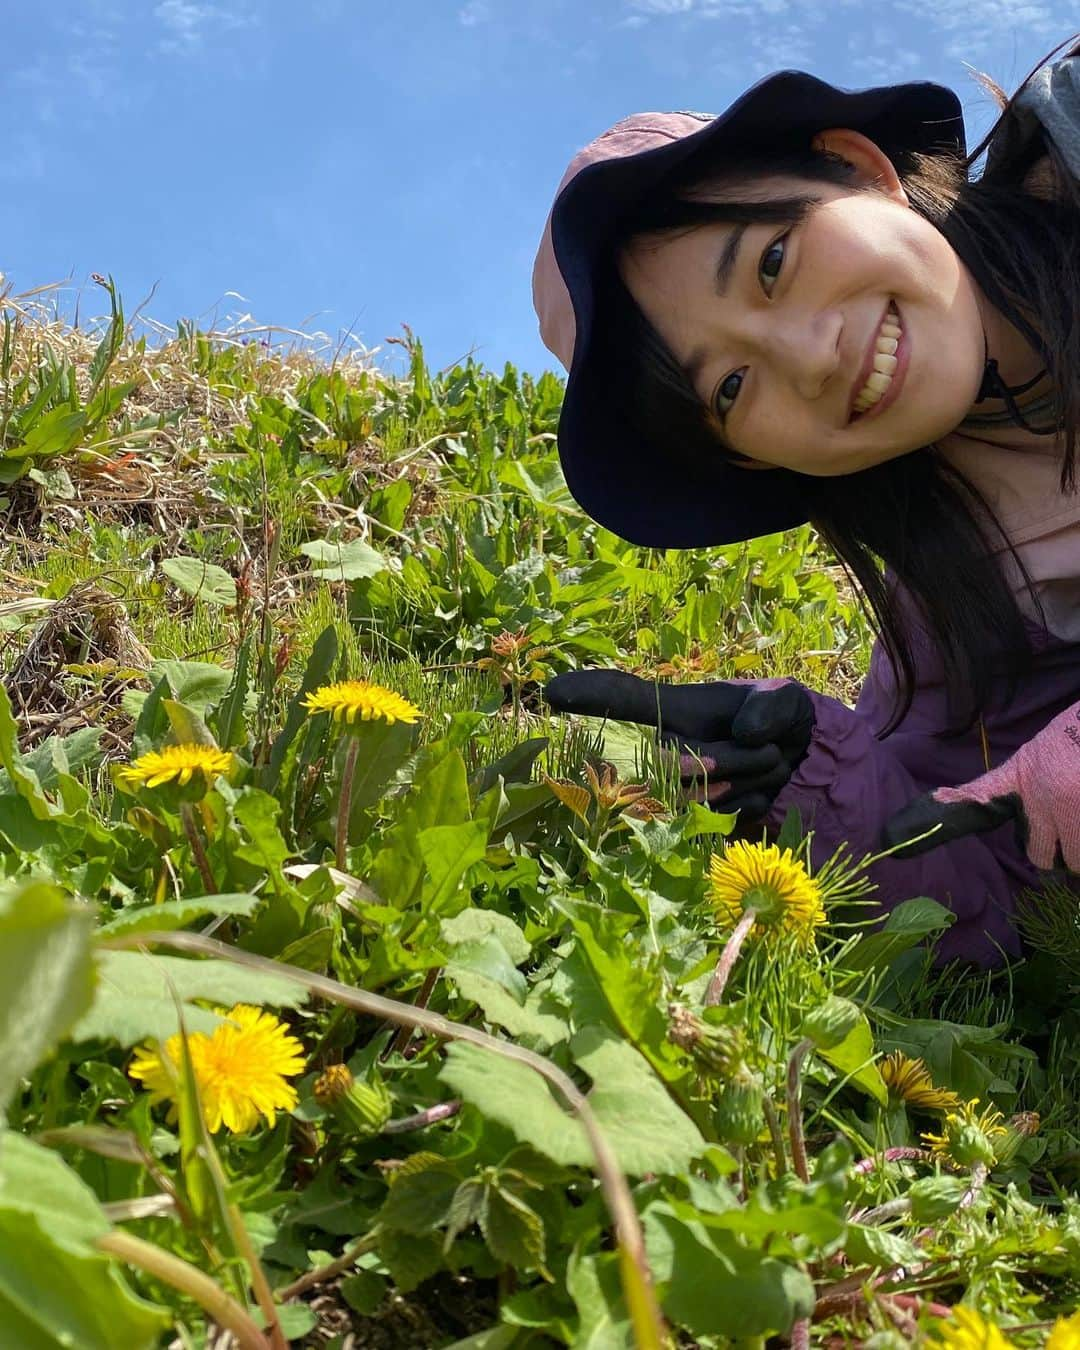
{"x": 883, "y": 368}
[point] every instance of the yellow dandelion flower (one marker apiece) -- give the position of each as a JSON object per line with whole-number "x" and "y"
{"x": 969, "y": 1330}
{"x": 776, "y": 885}
{"x": 969, "y": 1136}
{"x": 909, "y": 1080}
{"x": 240, "y": 1069}
{"x": 1065, "y": 1334}
{"x": 350, "y": 700}
{"x": 176, "y": 762}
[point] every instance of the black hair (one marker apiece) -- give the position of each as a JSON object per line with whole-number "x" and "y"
{"x": 916, "y": 514}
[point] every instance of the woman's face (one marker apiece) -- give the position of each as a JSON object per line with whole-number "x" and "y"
{"x": 783, "y": 352}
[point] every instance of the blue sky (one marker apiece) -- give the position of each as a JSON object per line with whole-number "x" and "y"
{"x": 351, "y": 165}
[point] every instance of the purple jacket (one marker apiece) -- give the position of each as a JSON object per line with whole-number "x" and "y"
{"x": 850, "y": 783}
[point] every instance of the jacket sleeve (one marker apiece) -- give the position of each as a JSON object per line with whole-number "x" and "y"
{"x": 845, "y": 789}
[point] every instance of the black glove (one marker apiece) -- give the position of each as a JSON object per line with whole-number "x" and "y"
{"x": 745, "y": 739}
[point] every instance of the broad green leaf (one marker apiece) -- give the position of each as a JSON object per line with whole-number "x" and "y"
{"x": 343, "y": 562}
{"x": 35, "y": 1180}
{"x": 905, "y": 926}
{"x": 46, "y": 975}
{"x": 714, "y": 1286}
{"x": 197, "y": 684}
{"x": 201, "y": 580}
{"x": 594, "y": 1284}
{"x": 134, "y": 999}
{"x": 55, "y": 1290}
{"x": 646, "y": 1130}
{"x": 472, "y": 925}
{"x": 854, "y": 1057}
{"x": 173, "y": 914}
{"x": 502, "y": 1009}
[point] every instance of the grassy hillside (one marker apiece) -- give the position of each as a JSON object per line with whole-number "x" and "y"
{"x": 496, "y": 1097}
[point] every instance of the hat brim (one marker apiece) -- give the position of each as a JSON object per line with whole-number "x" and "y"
{"x": 615, "y": 475}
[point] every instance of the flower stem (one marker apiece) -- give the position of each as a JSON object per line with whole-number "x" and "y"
{"x": 331, "y": 1270}
{"x": 794, "y": 1108}
{"x": 345, "y": 802}
{"x": 422, "y": 1119}
{"x": 194, "y": 838}
{"x": 900, "y": 1154}
{"x": 776, "y": 1135}
{"x": 800, "y": 1334}
{"x": 728, "y": 957}
{"x": 171, "y": 1270}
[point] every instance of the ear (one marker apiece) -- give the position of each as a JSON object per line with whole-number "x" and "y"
{"x": 872, "y": 165}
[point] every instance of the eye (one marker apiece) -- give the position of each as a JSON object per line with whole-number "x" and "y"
{"x": 772, "y": 260}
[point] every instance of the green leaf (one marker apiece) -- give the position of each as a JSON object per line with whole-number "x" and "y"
{"x": 56, "y": 1291}
{"x": 134, "y": 999}
{"x": 502, "y": 1009}
{"x": 199, "y": 685}
{"x": 410, "y": 1259}
{"x": 854, "y": 1058}
{"x": 421, "y": 1195}
{"x": 645, "y": 1128}
{"x": 513, "y": 1230}
{"x": 473, "y": 925}
{"x": 201, "y": 580}
{"x": 34, "y": 1180}
{"x": 343, "y": 562}
{"x": 714, "y": 1286}
{"x": 46, "y": 975}
{"x": 164, "y": 918}
{"x": 363, "y": 1292}
{"x": 603, "y": 1321}
{"x": 905, "y": 926}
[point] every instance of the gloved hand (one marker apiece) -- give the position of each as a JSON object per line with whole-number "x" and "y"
{"x": 1038, "y": 787}
{"x": 739, "y": 741}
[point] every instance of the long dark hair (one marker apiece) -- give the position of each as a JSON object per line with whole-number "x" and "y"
{"x": 917, "y": 514}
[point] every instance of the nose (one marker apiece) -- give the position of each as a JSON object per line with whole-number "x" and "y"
{"x": 805, "y": 350}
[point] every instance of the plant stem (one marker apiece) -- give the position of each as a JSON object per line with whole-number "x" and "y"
{"x": 637, "y": 1277}
{"x": 776, "y": 1135}
{"x": 194, "y": 838}
{"x": 728, "y": 957}
{"x": 422, "y": 1119}
{"x": 404, "y": 1033}
{"x": 345, "y": 802}
{"x": 259, "y": 1282}
{"x": 800, "y": 1334}
{"x": 794, "y": 1108}
{"x": 899, "y": 1154}
{"x": 331, "y": 1270}
{"x": 171, "y": 1270}
{"x": 891, "y": 1209}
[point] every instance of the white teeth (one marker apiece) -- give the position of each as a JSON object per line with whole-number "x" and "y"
{"x": 884, "y": 365}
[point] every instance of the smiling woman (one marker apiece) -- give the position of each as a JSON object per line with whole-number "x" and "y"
{"x": 811, "y": 308}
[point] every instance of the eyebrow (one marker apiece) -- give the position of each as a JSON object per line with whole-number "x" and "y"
{"x": 725, "y": 270}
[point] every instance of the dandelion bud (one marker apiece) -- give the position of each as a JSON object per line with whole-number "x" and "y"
{"x": 831, "y": 1022}
{"x": 363, "y": 1107}
{"x": 935, "y": 1198}
{"x": 715, "y": 1048}
{"x": 739, "y": 1114}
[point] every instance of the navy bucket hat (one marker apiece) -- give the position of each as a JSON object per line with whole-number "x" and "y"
{"x": 618, "y": 477}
